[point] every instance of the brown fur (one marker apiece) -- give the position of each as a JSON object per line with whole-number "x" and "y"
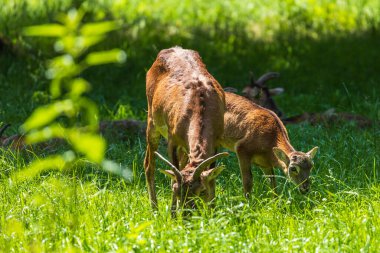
{"x": 18, "y": 143}
{"x": 15, "y": 142}
{"x": 258, "y": 136}
{"x": 186, "y": 106}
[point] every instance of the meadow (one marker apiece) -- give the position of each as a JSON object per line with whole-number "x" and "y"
{"x": 327, "y": 53}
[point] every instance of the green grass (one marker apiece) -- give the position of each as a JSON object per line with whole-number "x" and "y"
{"x": 92, "y": 211}
{"x": 325, "y": 60}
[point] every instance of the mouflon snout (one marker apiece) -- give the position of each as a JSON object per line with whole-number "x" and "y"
{"x": 297, "y": 166}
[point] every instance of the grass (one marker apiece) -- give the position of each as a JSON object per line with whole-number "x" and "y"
{"x": 326, "y": 60}
{"x": 88, "y": 210}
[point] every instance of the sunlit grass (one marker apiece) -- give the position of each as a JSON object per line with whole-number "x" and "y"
{"x": 89, "y": 210}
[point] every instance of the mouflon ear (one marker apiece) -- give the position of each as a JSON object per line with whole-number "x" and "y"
{"x": 312, "y": 152}
{"x": 206, "y": 163}
{"x": 211, "y": 174}
{"x": 176, "y": 172}
{"x": 169, "y": 173}
{"x": 281, "y": 155}
{"x": 230, "y": 89}
{"x": 276, "y": 91}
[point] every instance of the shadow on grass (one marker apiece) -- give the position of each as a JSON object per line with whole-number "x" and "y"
{"x": 338, "y": 70}
{"x": 332, "y": 71}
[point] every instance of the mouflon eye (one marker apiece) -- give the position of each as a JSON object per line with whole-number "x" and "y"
{"x": 293, "y": 169}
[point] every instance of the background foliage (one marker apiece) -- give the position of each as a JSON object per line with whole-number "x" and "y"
{"x": 327, "y": 53}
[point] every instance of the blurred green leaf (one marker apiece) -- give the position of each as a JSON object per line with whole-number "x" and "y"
{"x": 78, "y": 86}
{"x": 36, "y": 167}
{"x": 72, "y": 19}
{"x": 89, "y": 41}
{"x": 91, "y": 145}
{"x": 55, "y": 88}
{"x": 46, "y": 114}
{"x": 73, "y": 41}
{"x": 47, "y": 133}
{"x": 48, "y": 30}
{"x": 68, "y": 44}
{"x": 100, "y": 28}
{"x": 76, "y": 45}
{"x": 90, "y": 112}
{"x": 103, "y": 57}
{"x": 62, "y": 66}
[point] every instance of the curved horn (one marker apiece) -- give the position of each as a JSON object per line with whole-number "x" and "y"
{"x": 3, "y": 128}
{"x": 174, "y": 168}
{"x": 203, "y": 165}
{"x": 266, "y": 77}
